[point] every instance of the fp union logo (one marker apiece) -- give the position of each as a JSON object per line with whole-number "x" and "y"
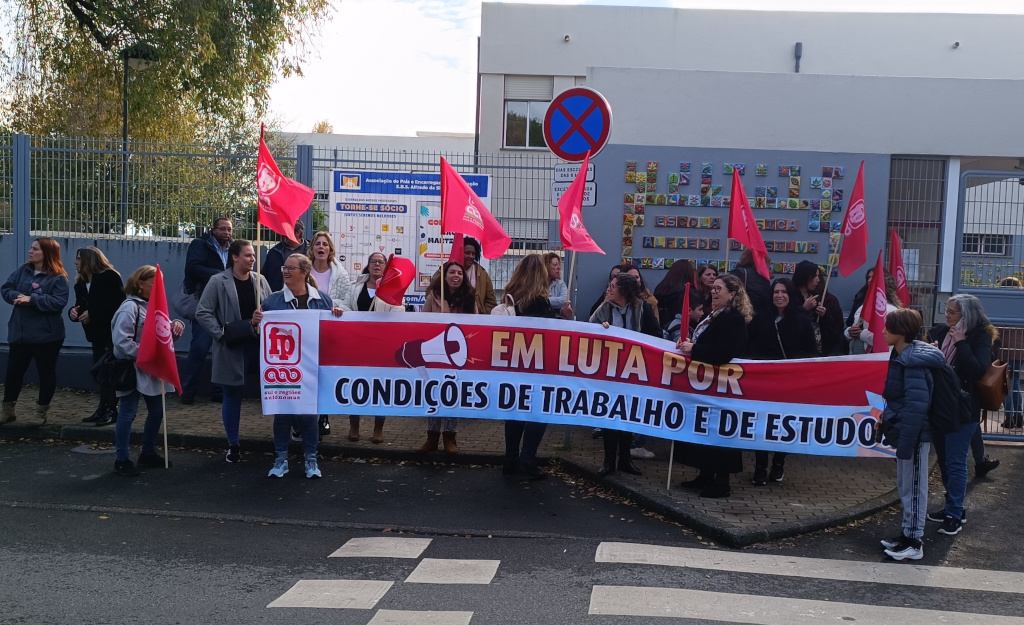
{"x": 282, "y": 343}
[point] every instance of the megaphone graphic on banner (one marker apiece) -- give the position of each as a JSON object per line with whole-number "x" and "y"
{"x": 446, "y": 349}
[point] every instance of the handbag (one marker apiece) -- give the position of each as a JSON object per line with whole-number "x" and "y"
{"x": 116, "y": 373}
{"x": 185, "y": 303}
{"x": 239, "y": 333}
{"x": 994, "y": 386}
{"x": 508, "y": 310}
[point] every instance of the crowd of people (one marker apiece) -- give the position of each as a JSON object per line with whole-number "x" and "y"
{"x": 740, "y": 314}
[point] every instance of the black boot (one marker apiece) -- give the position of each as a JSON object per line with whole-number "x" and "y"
{"x": 97, "y": 415}
{"x": 720, "y": 487}
{"x": 110, "y": 416}
{"x": 702, "y": 481}
{"x": 626, "y": 466}
{"x": 611, "y": 446}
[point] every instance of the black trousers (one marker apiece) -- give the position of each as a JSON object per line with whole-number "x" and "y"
{"x": 108, "y": 396}
{"x": 21, "y": 354}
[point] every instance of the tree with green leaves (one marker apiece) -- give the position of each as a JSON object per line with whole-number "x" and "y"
{"x": 215, "y": 61}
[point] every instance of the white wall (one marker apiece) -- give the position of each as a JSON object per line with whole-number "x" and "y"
{"x": 426, "y": 142}
{"x": 530, "y": 39}
{"x": 961, "y": 103}
{"x": 808, "y": 112}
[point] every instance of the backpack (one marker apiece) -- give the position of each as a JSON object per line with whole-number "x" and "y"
{"x": 508, "y": 310}
{"x": 950, "y": 406}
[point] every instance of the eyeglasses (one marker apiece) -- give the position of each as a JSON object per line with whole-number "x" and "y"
{"x": 287, "y": 269}
{"x": 716, "y": 289}
{"x": 378, "y": 262}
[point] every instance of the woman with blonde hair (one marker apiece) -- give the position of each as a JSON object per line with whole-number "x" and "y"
{"x": 98, "y": 293}
{"x": 38, "y": 290}
{"x": 527, "y": 290}
{"x": 128, "y": 322}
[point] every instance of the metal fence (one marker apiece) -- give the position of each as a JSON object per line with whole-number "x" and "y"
{"x": 992, "y": 236}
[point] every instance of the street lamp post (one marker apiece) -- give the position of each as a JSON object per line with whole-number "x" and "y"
{"x": 137, "y": 56}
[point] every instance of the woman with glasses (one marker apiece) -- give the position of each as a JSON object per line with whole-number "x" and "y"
{"x": 98, "y": 293}
{"x": 333, "y": 278}
{"x": 966, "y": 340}
{"x": 299, "y": 293}
{"x": 717, "y": 339}
{"x": 362, "y": 298}
{"x": 624, "y": 307}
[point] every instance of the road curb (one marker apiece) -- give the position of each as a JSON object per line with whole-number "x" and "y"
{"x": 653, "y": 501}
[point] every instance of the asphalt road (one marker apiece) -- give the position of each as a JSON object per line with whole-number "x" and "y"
{"x": 208, "y": 542}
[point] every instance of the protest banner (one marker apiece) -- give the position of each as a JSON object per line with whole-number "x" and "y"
{"x": 554, "y": 371}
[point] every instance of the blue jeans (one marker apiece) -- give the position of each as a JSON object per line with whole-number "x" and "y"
{"x": 231, "y": 411}
{"x": 952, "y": 450}
{"x": 530, "y": 433}
{"x": 198, "y": 349}
{"x": 126, "y": 415}
{"x": 305, "y": 423}
{"x": 1013, "y": 402}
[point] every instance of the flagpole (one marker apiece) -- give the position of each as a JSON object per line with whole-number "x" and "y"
{"x": 259, "y": 231}
{"x": 163, "y": 404}
{"x": 572, "y": 270}
{"x": 828, "y": 276}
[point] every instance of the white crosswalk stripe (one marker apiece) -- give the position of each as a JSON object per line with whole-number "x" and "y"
{"x": 383, "y": 547}
{"x": 815, "y": 568}
{"x": 359, "y": 594}
{"x": 417, "y": 617}
{"x": 434, "y": 571}
{"x": 762, "y": 610}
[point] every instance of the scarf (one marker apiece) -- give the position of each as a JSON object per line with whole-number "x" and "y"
{"x": 948, "y": 348}
{"x": 705, "y": 322}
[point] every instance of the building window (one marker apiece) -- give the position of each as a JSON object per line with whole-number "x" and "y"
{"x": 524, "y": 123}
{"x": 526, "y": 102}
{"x": 985, "y": 244}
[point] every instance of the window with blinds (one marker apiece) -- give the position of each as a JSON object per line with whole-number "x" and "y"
{"x": 526, "y": 102}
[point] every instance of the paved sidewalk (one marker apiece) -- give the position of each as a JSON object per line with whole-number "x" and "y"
{"x": 818, "y": 491}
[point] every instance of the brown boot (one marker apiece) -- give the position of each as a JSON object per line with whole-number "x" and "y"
{"x": 431, "y": 444}
{"x": 8, "y": 412}
{"x": 353, "y": 428}
{"x": 449, "y": 443}
{"x": 378, "y": 430}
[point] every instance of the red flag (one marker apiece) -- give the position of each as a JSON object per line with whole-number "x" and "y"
{"x": 854, "y": 252}
{"x": 458, "y": 254}
{"x": 462, "y": 211}
{"x": 873, "y": 311}
{"x": 743, "y": 228}
{"x": 896, "y": 269}
{"x": 398, "y": 275}
{"x": 281, "y": 200}
{"x": 570, "y": 217}
{"x": 156, "y": 348}
{"x": 684, "y": 328}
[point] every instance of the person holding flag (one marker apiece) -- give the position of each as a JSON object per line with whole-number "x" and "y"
{"x": 883, "y": 287}
{"x": 299, "y": 292}
{"x": 362, "y": 297}
{"x": 129, "y": 337}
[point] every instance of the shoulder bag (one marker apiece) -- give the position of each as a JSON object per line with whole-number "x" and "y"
{"x": 117, "y": 373}
{"x": 185, "y": 303}
{"x": 994, "y": 386}
{"x": 508, "y": 310}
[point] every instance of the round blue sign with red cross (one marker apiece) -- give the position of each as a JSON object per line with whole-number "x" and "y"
{"x": 579, "y": 120}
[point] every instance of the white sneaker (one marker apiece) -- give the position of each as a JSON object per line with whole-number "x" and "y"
{"x": 280, "y": 468}
{"x": 641, "y": 452}
{"x": 909, "y": 549}
{"x": 312, "y": 471}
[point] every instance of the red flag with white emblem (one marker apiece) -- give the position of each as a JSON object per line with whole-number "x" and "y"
{"x": 743, "y": 228}
{"x": 462, "y": 211}
{"x": 281, "y": 200}
{"x": 570, "y": 215}
{"x": 398, "y": 275}
{"x": 875, "y": 306}
{"x": 896, "y": 268}
{"x": 156, "y": 348}
{"x": 854, "y": 252}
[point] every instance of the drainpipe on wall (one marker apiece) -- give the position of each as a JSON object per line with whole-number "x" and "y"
{"x": 798, "y": 52}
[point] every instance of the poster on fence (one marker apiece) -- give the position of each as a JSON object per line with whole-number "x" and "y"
{"x": 392, "y": 213}
{"x": 553, "y": 371}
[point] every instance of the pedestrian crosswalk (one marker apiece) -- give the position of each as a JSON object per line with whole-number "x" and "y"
{"x": 365, "y": 594}
{"x": 641, "y": 602}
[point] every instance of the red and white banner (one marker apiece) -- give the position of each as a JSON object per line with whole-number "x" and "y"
{"x": 553, "y": 371}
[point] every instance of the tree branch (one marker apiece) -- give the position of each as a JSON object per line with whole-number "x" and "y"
{"x": 84, "y": 12}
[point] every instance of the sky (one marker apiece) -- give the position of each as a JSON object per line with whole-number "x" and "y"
{"x": 395, "y": 67}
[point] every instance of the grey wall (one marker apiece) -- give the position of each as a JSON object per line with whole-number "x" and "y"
{"x": 604, "y": 221}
